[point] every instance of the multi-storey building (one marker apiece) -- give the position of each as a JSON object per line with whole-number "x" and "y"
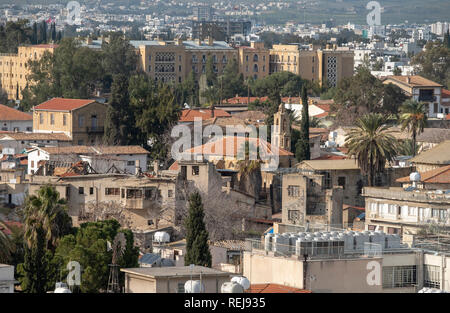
{"x": 329, "y": 65}
{"x": 254, "y": 60}
{"x": 172, "y": 61}
{"x": 422, "y": 90}
{"x": 80, "y": 119}
{"x": 14, "y": 70}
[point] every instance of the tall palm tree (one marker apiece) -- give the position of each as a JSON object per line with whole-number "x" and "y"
{"x": 372, "y": 144}
{"x": 414, "y": 118}
{"x": 48, "y": 212}
{"x": 6, "y": 244}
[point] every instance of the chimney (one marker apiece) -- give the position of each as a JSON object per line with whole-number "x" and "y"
{"x": 199, "y": 41}
{"x": 156, "y": 167}
{"x": 212, "y": 110}
{"x": 409, "y": 80}
{"x": 179, "y": 41}
{"x": 210, "y": 41}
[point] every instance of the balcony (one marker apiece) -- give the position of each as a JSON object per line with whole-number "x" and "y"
{"x": 95, "y": 129}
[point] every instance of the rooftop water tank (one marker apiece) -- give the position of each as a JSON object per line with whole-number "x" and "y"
{"x": 61, "y": 287}
{"x": 194, "y": 286}
{"x": 161, "y": 236}
{"x": 231, "y": 287}
{"x": 414, "y": 176}
{"x": 268, "y": 242}
{"x": 241, "y": 280}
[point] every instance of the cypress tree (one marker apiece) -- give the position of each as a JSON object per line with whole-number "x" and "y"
{"x": 34, "y": 38}
{"x": 447, "y": 39}
{"x": 53, "y": 32}
{"x": 59, "y": 36}
{"x": 43, "y": 34}
{"x": 197, "y": 248}
{"x": 302, "y": 150}
{"x": 35, "y": 269}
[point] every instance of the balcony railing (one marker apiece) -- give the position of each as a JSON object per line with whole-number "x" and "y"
{"x": 95, "y": 129}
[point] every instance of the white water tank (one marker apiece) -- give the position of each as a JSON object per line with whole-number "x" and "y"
{"x": 61, "y": 287}
{"x": 161, "y": 236}
{"x": 231, "y": 287}
{"x": 241, "y": 280}
{"x": 194, "y": 286}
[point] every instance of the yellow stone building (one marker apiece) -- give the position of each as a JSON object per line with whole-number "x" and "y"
{"x": 254, "y": 60}
{"x": 172, "y": 61}
{"x": 321, "y": 65}
{"x": 82, "y": 120}
{"x": 14, "y": 70}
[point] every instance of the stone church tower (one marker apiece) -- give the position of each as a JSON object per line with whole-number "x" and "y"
{"x": 281, "y": 132}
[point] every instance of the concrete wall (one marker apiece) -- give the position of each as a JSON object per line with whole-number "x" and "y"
{"x": 322, "y": 275}
{"x": 20, "y": 126}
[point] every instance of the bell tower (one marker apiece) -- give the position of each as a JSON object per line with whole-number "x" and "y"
{"x": 281, "y": 131}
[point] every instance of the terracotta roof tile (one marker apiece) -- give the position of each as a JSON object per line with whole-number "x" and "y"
{"x": 10, "y": 114}
{"x": 63, "y": 104}
{"x": 274, "y": 288}
{"x": 37, "y": 136}
{"x": 440, "y": 175}
{"x": 188, "y": 115}
{"x": 229, "y": 147}
{"x": 414, "y": 81}
{"x": 106, "y": 150}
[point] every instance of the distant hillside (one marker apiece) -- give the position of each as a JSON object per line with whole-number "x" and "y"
{"x": 317, "y": 11}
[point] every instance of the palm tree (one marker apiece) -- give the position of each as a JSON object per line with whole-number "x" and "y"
{"x": 6, "y": 244}
{"x": 372, "y": 144}
{"x": 413, "y": 117}
{"x": 48, "y": 212}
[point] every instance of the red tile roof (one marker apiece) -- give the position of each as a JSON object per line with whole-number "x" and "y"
{"x": 440, "y": 175}
{"x": 331, "y": 157}
{"x": 229, "y": 147}
{"x": 63, "y": 104}
{"x": 445, "y": 93}
{"x": 414, "y": 81}
{"x": 174, "y": 166}
{"x": 10, "y": 114}
{"x": 189, "y": 114}
{"x": 274, "y": 288}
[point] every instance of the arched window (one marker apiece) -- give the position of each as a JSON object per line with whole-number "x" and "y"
{"x": 255, "y": 68}
{"x": 255, "y": 58}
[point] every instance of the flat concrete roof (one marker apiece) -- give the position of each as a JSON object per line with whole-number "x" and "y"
{"x": 172, "y": 271}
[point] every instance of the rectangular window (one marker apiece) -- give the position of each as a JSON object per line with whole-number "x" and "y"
{"x": 81, "y": 121}
{"x": 294, "y": 191}
{"x": 81, "y": 190}
{"x": 91, "y": 190}
{"x": 195, "y": 170}
{"x": 293, "y": 215}
{"x": 341, "y": 182}
{"x": 180, "y": 287}
{"x": 170, "y": 193}
{"x": 131, "y": 163}
{"x": 64, "y": 119}
{"x": 52, "y": 119}
{"x": 41, "y": 118}
{"x": 112, "y": 191}
{"x": 326, "y": 180}
{"x": 399, "y": 276}
{"x": 431, "y": 276}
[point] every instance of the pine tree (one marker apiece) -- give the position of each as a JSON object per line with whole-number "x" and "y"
{"x": 302, "y": 150}
{"x": 197, "y": 248}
